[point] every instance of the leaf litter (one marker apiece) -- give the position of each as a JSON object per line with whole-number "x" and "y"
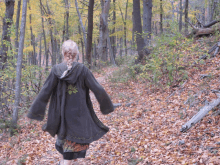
{"x": 145, "y": 129}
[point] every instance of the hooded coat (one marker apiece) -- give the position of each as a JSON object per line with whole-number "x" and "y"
{"x": 71, "y": 115}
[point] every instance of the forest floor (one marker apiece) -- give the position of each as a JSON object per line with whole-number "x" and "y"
{"x": 145, "y": 129}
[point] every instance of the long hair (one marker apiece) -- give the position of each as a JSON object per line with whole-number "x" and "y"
{"x": 69, "y": 52}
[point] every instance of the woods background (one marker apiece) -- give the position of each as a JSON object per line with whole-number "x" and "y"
{"x": 151, "y": 39}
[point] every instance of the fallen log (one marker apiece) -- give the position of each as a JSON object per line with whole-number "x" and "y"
{"x": 203, "y": 29}
{"x": 202, "y": 113}
{"x": 211, "y": 23}
{"x": 214, "y": 48}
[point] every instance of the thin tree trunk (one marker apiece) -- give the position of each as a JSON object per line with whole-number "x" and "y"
{"x": 181, "y": 16}
{"x": 133, "y": 43}
{"x": 67, "y": 19}
{"x": 81, "y": 24}
{"x": 18, "y": 69}
{"x": 94, "y": 54}
{"x": 121, "y": 46}
{"x": 125, "y": 29}
{"x": 186, "y": 16}
{"x": 40, "y": 51}
{"x": 214, "y": 5}
{"x": 17, "y": 26}
{"x": 44, "y": 36}
{"x": 147, "y": 16}
{"x": 172, "y": 10}
{"x": 52, "y": 37}
{"x": 113, "y": 31}
{"x": 82, "y": 46}
{"x": 33, "y": 58}
{"x": 59, "y": 48}
{"x": 64, "y": 29}
{"x": 89, "y": 32}
{"x": 142, "y": 51}
{"x": 161, "y": 17}
{"x": 7, "y": 22}
{"x": 110, "y": 49}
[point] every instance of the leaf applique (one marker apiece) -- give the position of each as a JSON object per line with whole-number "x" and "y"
{"x": 72, "y": 89}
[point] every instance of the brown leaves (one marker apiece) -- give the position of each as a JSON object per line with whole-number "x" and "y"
{"x": 147, "y": 130}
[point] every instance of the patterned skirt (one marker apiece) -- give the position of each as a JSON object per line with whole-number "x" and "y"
{"x": 71, "y": 150}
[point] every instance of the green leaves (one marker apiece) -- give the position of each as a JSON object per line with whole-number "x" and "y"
{"x": 72, "y": 89}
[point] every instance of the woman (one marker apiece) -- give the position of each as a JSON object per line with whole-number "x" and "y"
{"x": 71, "y": 116}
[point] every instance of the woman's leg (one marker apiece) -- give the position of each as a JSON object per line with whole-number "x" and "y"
{"x": 67, "y": 162}
{"x": 61, "y": 160}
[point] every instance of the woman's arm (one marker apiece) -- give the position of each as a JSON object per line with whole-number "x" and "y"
{"x": 104, "y": 100}
{"x": 38, "y": 107}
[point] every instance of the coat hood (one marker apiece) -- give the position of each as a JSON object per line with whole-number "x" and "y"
{"x": 72, "y": 75}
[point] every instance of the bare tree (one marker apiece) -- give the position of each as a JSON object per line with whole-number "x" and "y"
{"x": 161, "y": 16}
{"x": 52, "y": 36}
{"x": 125, "y": 28}
{"x": 81, "y": 24}
{"x": 142, "y": 50}
{"x": 186, "y": 16}
{"x": 102, "y": 46}
{"x": 113, "y": 31}
{"x": 67, "y": 19}
{"x": 89, "y": 32}
{"x": 17, "y": 25}
{"x": 147, "y": 16}
{"x": 7, "y": 22}
{"x": 18, "y": 69}
{"x": 33, "y": 58}
{"x": 181, "y": 15}
{"x": 44, "y": 35}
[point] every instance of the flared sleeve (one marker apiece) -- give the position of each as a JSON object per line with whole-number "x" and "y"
{"x": 38, "y": 107}
{"x": 103, "y": 98}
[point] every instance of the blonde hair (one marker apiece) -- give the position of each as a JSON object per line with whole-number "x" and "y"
{"x": 69, "y": 52}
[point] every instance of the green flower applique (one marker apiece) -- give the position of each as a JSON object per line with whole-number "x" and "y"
{"x": 72, "y": 89}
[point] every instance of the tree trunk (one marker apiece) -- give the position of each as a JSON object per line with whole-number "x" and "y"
{"x": 45, "y": 41}
{"x": 172, "y": 10}
{"x": 181, "y": 16}
{"x": 147, "y": 16}
{"x": 186, "y": 16}
{"x": 94, "y": 54}
{"x": 121, "y": 46}
{"x": 52, "y": 37}
{"x": 110, "y": 49}
{"x": 133, "y": 42}
{"x": 89, "y": 32}
{"x": 102, "y": 48}
{"x": 18, "y": 69}
{"x": 81, "y": 24}
{"x": 214, "y": 5}
{"x": 33, "y": 58}
{"x": 161, "y": 17}
{"x": 142, "y": 51}
{"x": 67, "y": 19}
{"x": 64, "y": 29}
{"x": 40, "y": 52}
{"x": 7, "y": 22}
{"x": 113, "y": 31}
{"x": 17, "y": 26}
{"x": 125, "y": 29}
{"x": 82, "y": 45}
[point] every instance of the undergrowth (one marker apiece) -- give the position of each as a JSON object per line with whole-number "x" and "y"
{"x": 167, "y": 65}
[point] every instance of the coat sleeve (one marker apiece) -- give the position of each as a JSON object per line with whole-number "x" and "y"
{"x": 38, "y": 107}
{"x": 104, "y": 100}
